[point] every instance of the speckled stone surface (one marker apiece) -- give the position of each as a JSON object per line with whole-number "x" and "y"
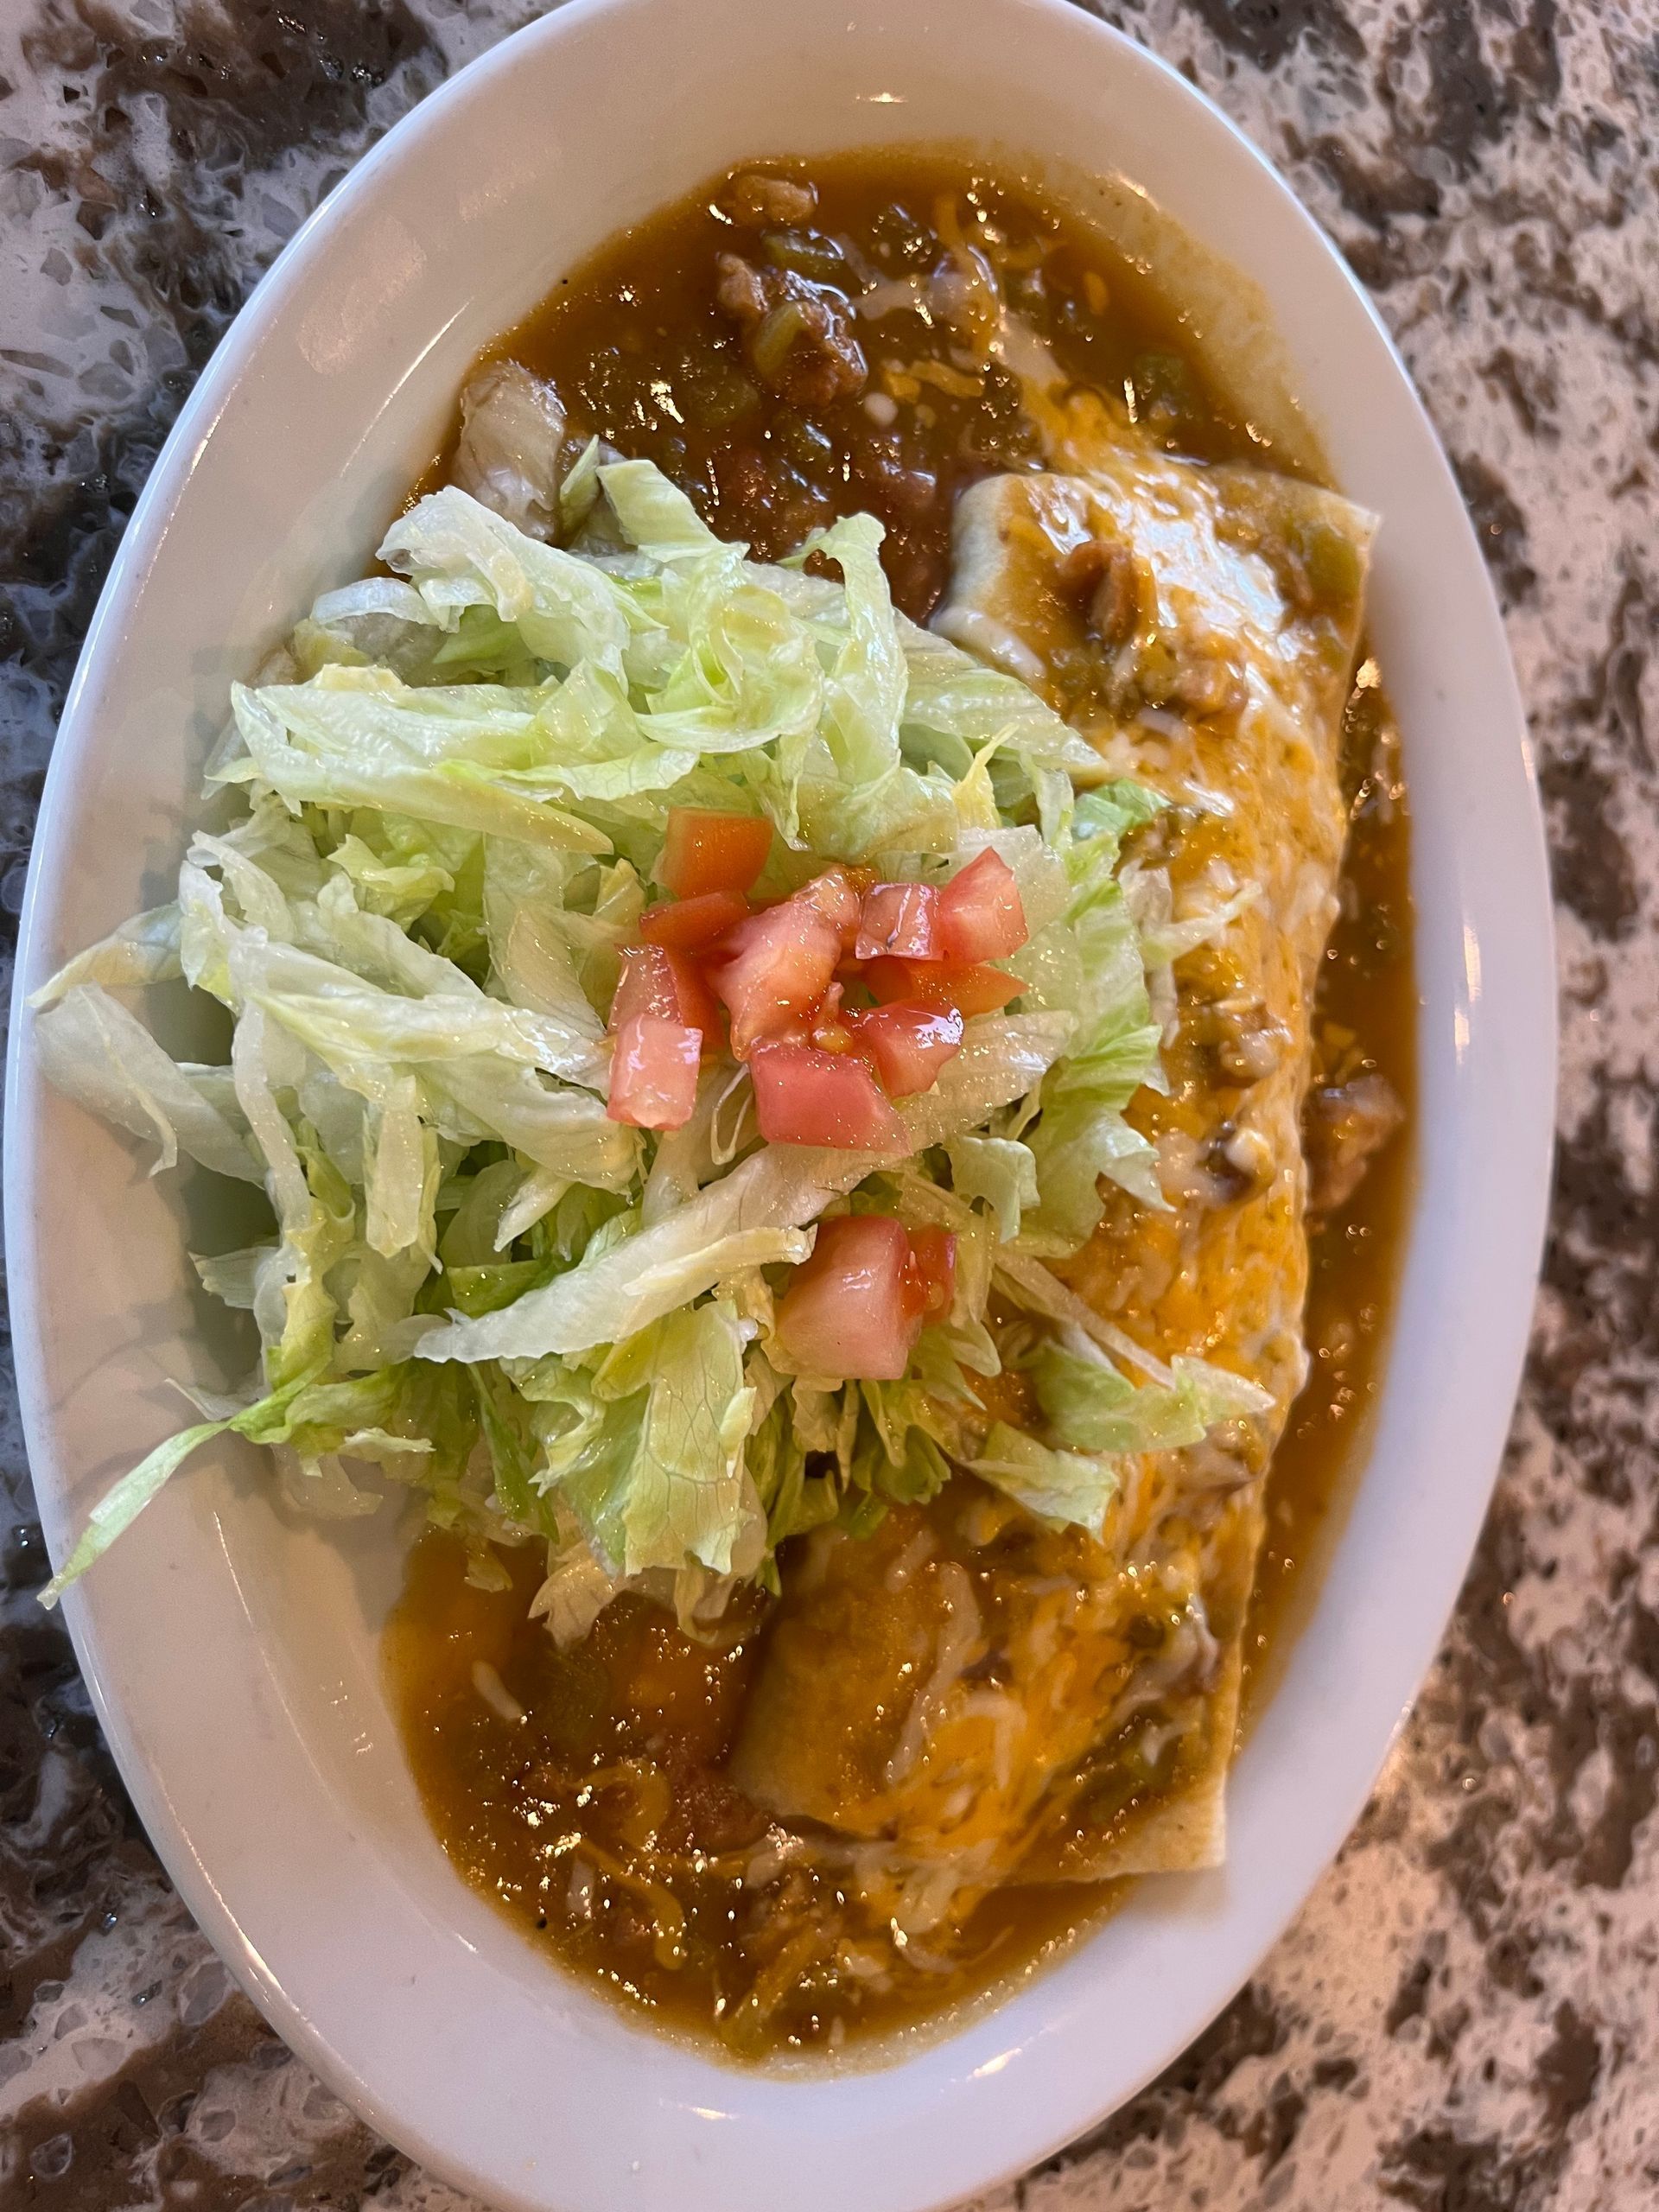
{"x": 1466, "y": 2017}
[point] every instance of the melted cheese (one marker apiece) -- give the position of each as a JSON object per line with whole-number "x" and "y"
{"x": 989, "y": 1708}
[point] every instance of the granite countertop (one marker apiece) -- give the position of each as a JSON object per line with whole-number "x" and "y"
{"x": 1464, "y": 2019}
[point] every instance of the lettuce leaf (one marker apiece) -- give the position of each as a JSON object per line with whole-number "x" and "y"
{"x": 93, "y": 1050}
{"x": 1091, "y": 1406}
{"x": 1075, "y": 1488}
{"x": 654, "y": 514}
{"x": 459, "y": 554}
{"x": 142, "y": 951}
{"x": 1094, "y": 967}
{"x": 1003, "y": 1057}
{"x": 652, "y": 1465}
{"x": 350, "y": 738}
{"x": 444, "y": 812}
{"x": 311, "y": 1416}
{"x": 1097, "y": 1417}
{"x": 749, "y": 1219}
{"x": 1001, "y": 1170}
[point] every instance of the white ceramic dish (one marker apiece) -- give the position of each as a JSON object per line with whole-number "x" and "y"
{"x": 232, "y": 1654}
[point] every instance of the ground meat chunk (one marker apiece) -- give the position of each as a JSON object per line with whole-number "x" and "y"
{"x": 710, "y": 1813}
{"x": 758, "y": 201}
{"x": 1344, "y": 1126}
{"x": 1208, "y": 687}
{"x": 896, "y": 491}
{"x": 1115, "y": 608}
{"x": 799, "y": 336}
{"x": 740, "y": 289}
{"x": 1197, "y": 675}
{"x": 1100, "y": 580}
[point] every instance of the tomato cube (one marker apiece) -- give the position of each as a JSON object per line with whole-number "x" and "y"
{"x": 933, "y": 1255}
{"x": 968, "y": 990}
{"x": 706, "y": 852}
{"x": 692, "y": 925}
{"x": 832, "y": 898}
{"x": 855, "y": 1309}
{"x": 981, "y": 917}
{"x": 666, "y": 985}
{"x": 901, "y": 918}
{"x": 654, "y": 1072}
{"x": 772, "y": 970}
{"x": 805, "y": 1095}
{"x": 907, "y": 1043}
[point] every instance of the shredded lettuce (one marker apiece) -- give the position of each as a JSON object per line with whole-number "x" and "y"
{"x": 1096, "y": 1418}
{"x": 553, "y": 1326}
{"x": 1059, "y": 1486}
{"x": 98, "y": 1053}
{"x": 1091, "y": 1405}
{"x": 142, "y": 951}
{"x": 1002, "y": 1170}
{"x": 648, "y": 1452}
{"x": 1091, "y": 964}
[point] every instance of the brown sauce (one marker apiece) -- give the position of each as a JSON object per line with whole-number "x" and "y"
{"x": 1365, "y": 1016}
{"x": 540, "y": 1769}
{"x": 636, "y": 1701}
{"x": 642, "y": 355}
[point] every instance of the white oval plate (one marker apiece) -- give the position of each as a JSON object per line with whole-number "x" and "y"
{"x": 231, "y": 1653}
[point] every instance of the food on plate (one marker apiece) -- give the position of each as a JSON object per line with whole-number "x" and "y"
{"x": 779, "y": 954}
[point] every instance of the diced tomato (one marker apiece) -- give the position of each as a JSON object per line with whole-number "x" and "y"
{"x": 805, "y": 1095}
{"x": 647, "y": 985}
{"x": 908, "y": 1042}
{"x": 933, "y": 1255}
{"x": 832, "y": 897}
{"x": 969, "y": 990}
{"x": 772, "y": 969}
{"x": 980, "y": 914}
{"x": 654, "y": 1072}
{"x": 712, "y": 852}
{"x": 979, "y": 990}
{"x": 855, "y": 1307}
{"x": 666, "y": 985}
{"x": 888, "y": 979}
{"x": 901, "y": 918}
{"x": 692, "y": 925}
{"x": 699, "y": 1008}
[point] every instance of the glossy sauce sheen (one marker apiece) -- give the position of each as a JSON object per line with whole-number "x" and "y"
{"x": 541, "y": 1769}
